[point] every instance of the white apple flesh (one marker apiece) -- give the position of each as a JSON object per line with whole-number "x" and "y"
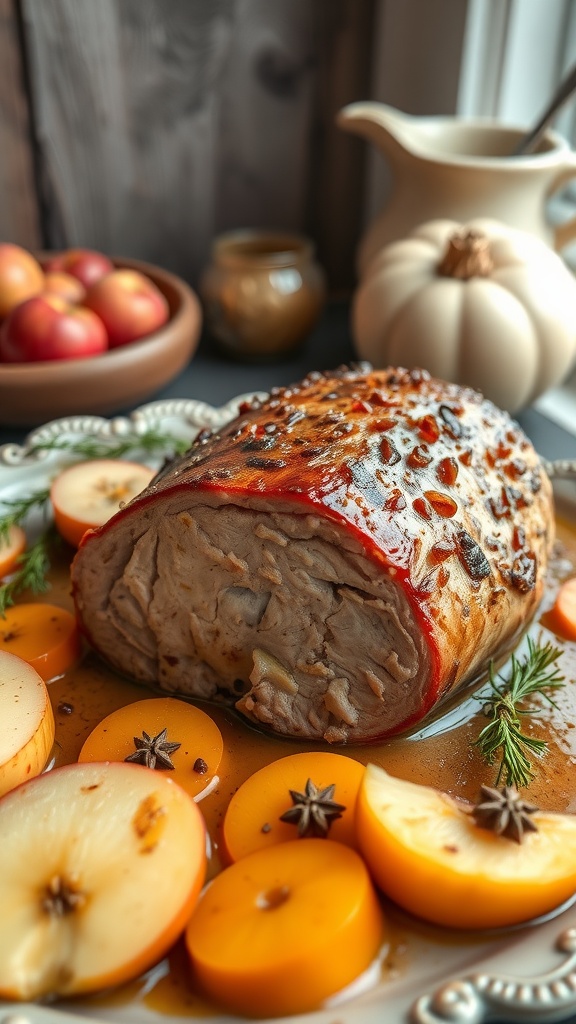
{"x": 27, "y": 733}
{"x": 100, "y": 868}
{"x": 86, "y": 495}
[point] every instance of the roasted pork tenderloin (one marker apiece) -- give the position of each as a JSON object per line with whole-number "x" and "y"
{"x": 333, "y": 562}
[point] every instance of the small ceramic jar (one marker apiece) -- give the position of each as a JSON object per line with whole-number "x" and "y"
{"x": 263, "y": 292}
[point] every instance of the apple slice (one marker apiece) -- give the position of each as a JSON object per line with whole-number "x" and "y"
{"x": 27, "y": 732}
{"x": 11, "y": 549}
{"x": 426, "y": 852}
{"x": 100, "y": 868}
{"x": 87, "y": 494}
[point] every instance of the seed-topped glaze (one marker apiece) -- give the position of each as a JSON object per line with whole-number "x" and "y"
{"x": 441, "y": 491}
{"x": 434, "y": 432}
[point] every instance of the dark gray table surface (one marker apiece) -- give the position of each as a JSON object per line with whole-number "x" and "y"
{"x": 214, "y": 378}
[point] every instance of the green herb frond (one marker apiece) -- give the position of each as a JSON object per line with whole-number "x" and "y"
{"x": 30, "y": 573}
{"x": 151, "y": 442}
{"x": 16, "y": 510}
{"x": 503, "y": 738}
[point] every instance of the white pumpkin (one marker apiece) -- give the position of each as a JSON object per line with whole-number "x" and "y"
{"x": 479, "y": 304}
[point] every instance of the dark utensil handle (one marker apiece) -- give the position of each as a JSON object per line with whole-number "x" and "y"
{"x": 562, "y": 94}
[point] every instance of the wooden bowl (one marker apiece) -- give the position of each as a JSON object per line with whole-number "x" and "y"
{"x": 33, "y": 393}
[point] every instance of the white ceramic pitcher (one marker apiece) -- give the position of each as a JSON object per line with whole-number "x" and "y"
{"x": 460, "y": 169}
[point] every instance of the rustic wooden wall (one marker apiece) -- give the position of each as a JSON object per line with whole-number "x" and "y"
{"x": 19, "y": 210}
{"x": 146, "y": 127}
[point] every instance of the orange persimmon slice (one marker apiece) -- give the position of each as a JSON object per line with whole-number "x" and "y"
{"x": 426, "y": 852}
{"x": 87, "y": 494}
{"x": 44, "y": 635}
{"x": 11, "y": 549}
{"x": 252, "y": 820}
{"x": 562, "y": 616}
{"x": 197, "y": 759}
{"x": 283, "y": 929}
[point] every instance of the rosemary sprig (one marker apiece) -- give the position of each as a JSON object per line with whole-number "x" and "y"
{"x": 503, "y": 737}
{"x": 18, "y": 509}
{"x": 31, "y": 571}
{"x": 151, "y": 442}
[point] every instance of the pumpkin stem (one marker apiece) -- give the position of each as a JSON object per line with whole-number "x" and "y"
{"x": 467, "y": 255}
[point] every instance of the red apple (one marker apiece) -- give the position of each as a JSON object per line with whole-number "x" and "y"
{"x": 58, "y": 282}
{"x": 87, "y": 265}
{"x": 129, "y": 304}
{"x": 46, "y": 327}
{"x": 21, "y": 276}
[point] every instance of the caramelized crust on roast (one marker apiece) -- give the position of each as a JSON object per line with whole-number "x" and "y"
{"x": 333, "y": 562}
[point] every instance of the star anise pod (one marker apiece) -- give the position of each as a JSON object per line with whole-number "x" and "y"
{"x": 313, "y": 811}
{"x": 504, "y": 812}
{"x": 153, "y": 751}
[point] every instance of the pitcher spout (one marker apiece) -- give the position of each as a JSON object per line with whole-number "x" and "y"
{"x": 459, "y": 169}
{"x": 387, "y": 128}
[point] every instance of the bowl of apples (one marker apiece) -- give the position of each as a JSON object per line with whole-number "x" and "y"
{"x": 82, "y": 333}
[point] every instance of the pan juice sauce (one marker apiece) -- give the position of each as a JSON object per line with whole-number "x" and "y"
{"x": 439, "y": 753}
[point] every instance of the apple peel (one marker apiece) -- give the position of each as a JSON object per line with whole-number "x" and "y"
{"x": 129, "y": 305}
{"x": 27, "y": 733}
{"x": 11, "y": 549}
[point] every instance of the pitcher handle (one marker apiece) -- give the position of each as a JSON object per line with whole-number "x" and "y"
{"x": 566, "y": 232}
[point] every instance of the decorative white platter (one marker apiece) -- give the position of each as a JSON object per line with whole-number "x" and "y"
{"x": 525, "y": 974}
